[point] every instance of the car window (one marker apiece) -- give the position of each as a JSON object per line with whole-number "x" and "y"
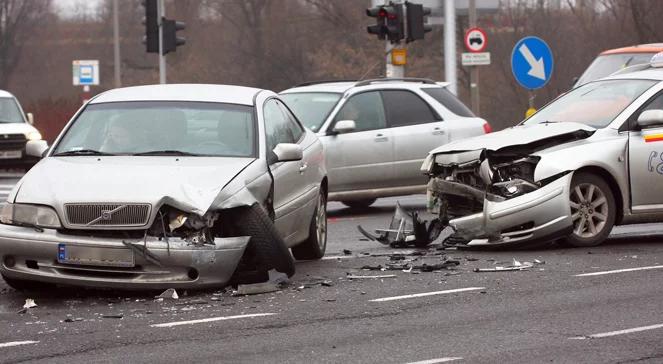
{"x": 278, "y": 128}
{"x": 201, "y": 128}
{"x": 311, "y": 108}
{"x": 448, "y": 100}
{"x": 293, "y": 124}
{"x": 608, "y": 64}
{"x": 9, "y": 111}
{"x": 654, "y": 103}
{"x": 406, "y": 108}
{"x": 366, "y": 109}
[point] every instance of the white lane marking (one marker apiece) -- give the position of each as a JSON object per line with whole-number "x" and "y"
{"x": 427, "y": 294}
{"x": 619, "y": 332}
{"x": 17, "y": 343}
{"x": 618, "y": 271}
{"x": 435, "y": 361}
{"x": 211, "y": 319}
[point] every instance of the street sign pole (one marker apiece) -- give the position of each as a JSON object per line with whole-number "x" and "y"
{"x": 450, "y": 45}
{"x": 474, "y": 70}
{"x": 161, "y": 11}
{"x": 116, "y": 45}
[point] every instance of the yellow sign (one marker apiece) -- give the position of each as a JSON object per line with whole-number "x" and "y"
{"x": 399, "y": 57}
{"x": 531, "y": 111}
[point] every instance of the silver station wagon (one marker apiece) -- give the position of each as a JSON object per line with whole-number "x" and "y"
{"x": 589, "y": 160}
{"x": 168, "y": 186}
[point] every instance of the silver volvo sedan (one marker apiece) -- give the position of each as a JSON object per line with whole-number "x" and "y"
{"x": 168, "y": 186}
{"x": 589, "y": 160}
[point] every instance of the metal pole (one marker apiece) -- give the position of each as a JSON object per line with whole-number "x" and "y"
{"x": 162, "y": 59}
{"x": 450, "y": 45}
{"x": 116, "y": 47}
{"x": 474, "y": 70}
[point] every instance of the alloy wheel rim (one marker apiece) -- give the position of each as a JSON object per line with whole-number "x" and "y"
{"x": 589, "y": 210}
{"x": 321, "y": 223}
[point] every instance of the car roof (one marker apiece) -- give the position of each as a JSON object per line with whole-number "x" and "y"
{"x": 181, "y": 92}
{"x": 344, "y": 86}
{"x": 640, "y": 48}
{"x": 4, "y": 93}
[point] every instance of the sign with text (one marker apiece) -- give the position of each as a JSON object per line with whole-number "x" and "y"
{"x": 475, "y": 59}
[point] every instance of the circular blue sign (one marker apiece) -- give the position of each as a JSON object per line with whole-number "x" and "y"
{"x": 532, "y": 62}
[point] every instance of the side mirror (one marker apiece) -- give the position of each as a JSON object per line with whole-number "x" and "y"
{"x": 36, "y": 148}
{"x": 31, "y": 118}
{"x": 344, "y": 126}
{"x": 650, "y": 118}
{"x": 287, "y": 152}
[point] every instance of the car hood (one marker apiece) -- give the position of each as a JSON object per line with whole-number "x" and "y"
{"x": 518, "y": 135}
{"x": 188, "y": 183}
{"x": 16, "y": 128}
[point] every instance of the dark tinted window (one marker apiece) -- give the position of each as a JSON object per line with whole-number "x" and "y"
{"x": 277, "y": 128}
{"x": 366, "y": 110}
{"x": 406, "y": 108}
{"x": 293, "y": 124}
{"x": 448, "y": 100}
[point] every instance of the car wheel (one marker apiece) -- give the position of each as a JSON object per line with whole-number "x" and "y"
{"x": 359, "y": 204}
{"x": 314, "y": 247}
{"x": 266, "y": 249}
{"x": 23, "y": 285}
{"x": 593, "y": 210}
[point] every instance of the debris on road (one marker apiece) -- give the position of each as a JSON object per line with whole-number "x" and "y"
{"x": 276, "y": 282}
{"x": 170, "y": 293}
{"x": 113, "y": 315}
{"x": 29, "y": 303}
{"x": 515, "y": 266}
{"x": 347, "y": 251}
{"x": 352, "y": 276}
{"x": 70, "y": 318}
{"x": 405, "y": 230}
{"x": 316, "y": 281}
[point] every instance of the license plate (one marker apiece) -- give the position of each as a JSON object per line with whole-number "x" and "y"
{"x": 89, "y": 255}
{"x": 11, "y": 154}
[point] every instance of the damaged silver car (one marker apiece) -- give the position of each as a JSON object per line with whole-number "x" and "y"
{"x": 168, "y": 186}
{"x": 589, "y": 160}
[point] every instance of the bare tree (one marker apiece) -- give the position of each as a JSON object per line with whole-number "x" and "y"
{"x": 17, "y": 19}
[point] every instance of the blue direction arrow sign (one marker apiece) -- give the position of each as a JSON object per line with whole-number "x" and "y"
{"x": 532, "y": 62}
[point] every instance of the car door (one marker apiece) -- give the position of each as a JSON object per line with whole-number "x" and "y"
{"x": 646, "y": 162}
{"x": 360, "y": 159}
{"x": 417, "y": 129}
{"x": 290, "y": 185}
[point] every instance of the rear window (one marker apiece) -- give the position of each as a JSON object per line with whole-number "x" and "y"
{"x": 448, "y": 100}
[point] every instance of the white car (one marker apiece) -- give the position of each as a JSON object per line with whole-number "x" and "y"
{"x": 376, "y": 133}
{"x": 15, "y": 130}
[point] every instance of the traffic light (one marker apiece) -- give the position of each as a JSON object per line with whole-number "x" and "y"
{"x": 380, "y": 28}
{"x": 170, "y": 39}
{"x": 151, "y": 22}
{"x": 416, "y": 22}
{"x": 395, "y": 26}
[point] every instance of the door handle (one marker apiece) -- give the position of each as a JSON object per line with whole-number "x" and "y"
{"x": 302, "y": 167}
{"x": 438, "y": 131}
{"x": 381, "y": 138}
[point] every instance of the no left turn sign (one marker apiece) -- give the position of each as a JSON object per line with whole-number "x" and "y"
{"x": 475, "y": 40}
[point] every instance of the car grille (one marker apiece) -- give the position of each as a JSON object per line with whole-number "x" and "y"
{"x": 12, "y": 141}
{"x": 110, "y": 215}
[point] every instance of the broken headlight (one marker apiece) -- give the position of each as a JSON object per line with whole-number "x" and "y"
{"x": 29, "y": 215}
{"x": 427, "y": 166}
{"x": 522, "y": 168}
{"x": 515, "y": 187}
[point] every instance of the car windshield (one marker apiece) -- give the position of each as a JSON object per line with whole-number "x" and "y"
{"x": 9, "y": 111}
{"x": 311, "y": 108}
{"x": 595, "y": 104}
{"x": 161, "y": 128}
{"x": 608, "y": 64}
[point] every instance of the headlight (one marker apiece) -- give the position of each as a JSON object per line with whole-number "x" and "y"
{"x": 33, "y": 135}
{"x": 427, "y": 166}
{"x": 33, "y": 215}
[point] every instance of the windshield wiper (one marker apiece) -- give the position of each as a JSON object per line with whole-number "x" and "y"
{"x": 81, "y": 152}
{"x": 167, "y": 152}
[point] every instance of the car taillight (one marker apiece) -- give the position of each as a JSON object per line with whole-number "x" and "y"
{"x": 487, "y": 128}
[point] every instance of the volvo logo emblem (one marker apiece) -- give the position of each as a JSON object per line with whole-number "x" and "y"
{"x": 106, "y": 215}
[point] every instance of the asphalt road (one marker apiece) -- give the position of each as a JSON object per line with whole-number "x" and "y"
{"x": 547, "y": 313}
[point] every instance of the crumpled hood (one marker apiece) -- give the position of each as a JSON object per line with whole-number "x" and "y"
{"x": 517, "y": 135}
{"x": 187, "y": 183}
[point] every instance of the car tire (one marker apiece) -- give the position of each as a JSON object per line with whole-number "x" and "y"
{"x": 593, "y": 210}
{"x": 314, "y": 247}
{"x": 359, "y": 204}
{"x": 23, "y": 285}
{"x": 266, "y": 249}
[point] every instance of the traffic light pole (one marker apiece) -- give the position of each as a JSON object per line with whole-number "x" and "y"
{"x": 161, "y": 11}
{"x": 474, "y": 70}
{"x": 450, "y": 45}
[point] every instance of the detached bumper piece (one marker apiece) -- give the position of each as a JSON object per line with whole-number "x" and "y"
{"x": 150, "y": 263}
{"x": 406, "y": 229}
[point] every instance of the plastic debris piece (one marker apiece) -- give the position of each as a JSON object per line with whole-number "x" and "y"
{"x": 347, "y": 251}
{"x": 522, "y": 266}
{"x": 29, "y": 303}
{"x": 406, "y": 229}
{"x": 113, "y": 315}
{"x": 352, "y": 276}
{"x": 170, "y": 293}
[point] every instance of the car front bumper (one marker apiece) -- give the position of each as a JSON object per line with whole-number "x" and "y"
{"x": 31, "y": 255}
{"x": 544, "y": 214}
